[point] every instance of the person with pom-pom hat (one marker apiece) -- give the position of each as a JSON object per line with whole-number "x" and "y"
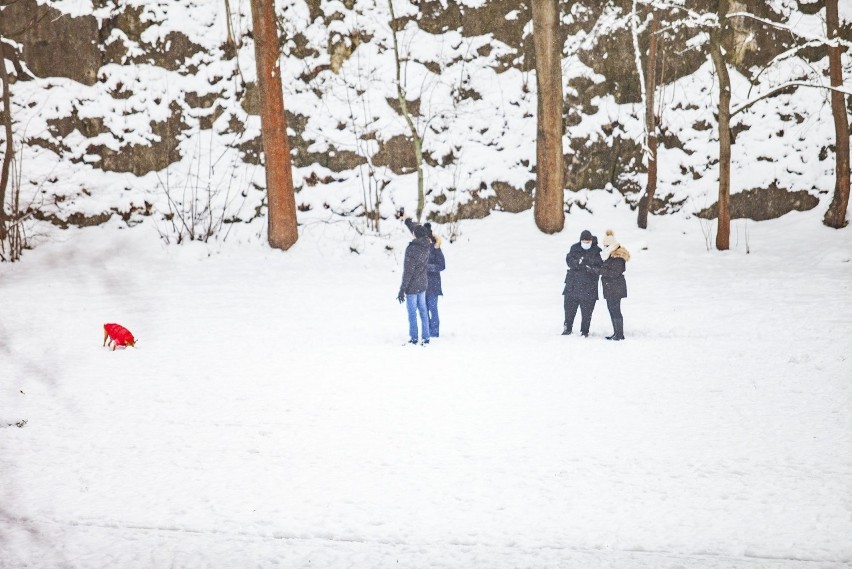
{"x": 614, "y": 284}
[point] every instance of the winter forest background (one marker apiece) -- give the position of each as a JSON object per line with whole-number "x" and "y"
{"x": 149, "y": 111}
{"x": 269, "y": 416}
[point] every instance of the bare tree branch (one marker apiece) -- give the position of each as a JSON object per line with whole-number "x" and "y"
{"x": 821, "y": 40}
{"x": 789, "y": 85}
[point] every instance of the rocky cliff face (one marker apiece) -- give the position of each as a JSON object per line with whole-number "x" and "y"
{"x": 126, "y": 121}
{"x": 53, "y": 44}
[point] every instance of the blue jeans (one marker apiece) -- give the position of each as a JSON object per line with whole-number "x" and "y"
{"x": 417, "y": 303}
{"x": 434, "y": 321}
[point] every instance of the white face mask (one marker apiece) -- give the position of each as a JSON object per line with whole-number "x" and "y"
{"x": 586, "y": 245}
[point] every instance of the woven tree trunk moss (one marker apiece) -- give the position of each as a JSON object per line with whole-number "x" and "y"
{"x": 283, "y": 231}
{"x": 549, "y": 192}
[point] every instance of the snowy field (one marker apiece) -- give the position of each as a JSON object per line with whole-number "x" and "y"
{"x": 271, "y": 417}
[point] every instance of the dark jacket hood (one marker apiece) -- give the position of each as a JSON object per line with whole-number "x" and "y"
{"x": 593, "y": 249}
{"x": 422, "y": 242}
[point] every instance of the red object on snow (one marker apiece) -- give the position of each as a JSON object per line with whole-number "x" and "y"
{"x": 118, "y": 336}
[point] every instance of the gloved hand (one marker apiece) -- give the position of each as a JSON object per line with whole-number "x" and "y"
{"x": 401, "y": 297}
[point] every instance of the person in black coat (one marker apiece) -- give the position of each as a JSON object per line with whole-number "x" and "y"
{"x": 581, "y": 282}
{"x": 412, "y": 290}
{"x": 437, "y": 263}
{"x": 614, "y": 284}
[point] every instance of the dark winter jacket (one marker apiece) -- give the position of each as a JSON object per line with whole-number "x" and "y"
{"x": 436, "y": 263}
{"x": 612, "y": 278}
{"x": 581, "y": 281}
{"x": 433, "y": 271}
{"x": 414, "y": 279}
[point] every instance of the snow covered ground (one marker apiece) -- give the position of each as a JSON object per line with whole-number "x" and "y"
{"x": 271, "y": 417}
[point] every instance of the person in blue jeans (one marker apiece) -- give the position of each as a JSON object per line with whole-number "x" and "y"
{"x": 433, "y": 287}
{"x": 412, "y": 290}
{"x": 437, "y": 263}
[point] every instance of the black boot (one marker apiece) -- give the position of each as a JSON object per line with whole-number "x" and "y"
{"x": 566, "y": 331}
{"x": 618, "y": 329}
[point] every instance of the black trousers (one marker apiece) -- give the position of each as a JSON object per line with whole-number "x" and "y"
{"x": 614, "y": 307}
{"x": 586, "y": 308}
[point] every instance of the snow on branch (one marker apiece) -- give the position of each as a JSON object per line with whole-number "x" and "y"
{"x": 784, "y": 87}
{"x": 821, "y": 40}
{"x": 793, "y": 51}
{"x": 701, "y": 21}
{"x": 696, "y": 19}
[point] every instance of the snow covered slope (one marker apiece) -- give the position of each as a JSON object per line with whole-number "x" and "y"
{"x": 166, "y": 132}
{"x": 270, "y": 416}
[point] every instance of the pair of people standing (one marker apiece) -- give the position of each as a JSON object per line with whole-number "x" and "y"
{"x": 421, "y": 281}
{"x": 586, "y": 262}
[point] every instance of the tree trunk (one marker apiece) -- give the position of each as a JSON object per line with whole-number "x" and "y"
{"x": 229, "y": 27}
{"x": 9, "y": 154}
{"x": 412, "y": 128}
{"x": 836, "y": 214}
{"x": 650, "y": 126}
{"x": 418, "y": 157}
{"x": 283, "y": 231}
{"x": 549, "y": 193}
{"x": 723, "y": 230}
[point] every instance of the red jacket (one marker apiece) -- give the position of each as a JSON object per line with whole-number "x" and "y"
{"x": 120, "y": 335}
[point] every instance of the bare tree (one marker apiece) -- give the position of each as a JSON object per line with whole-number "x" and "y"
{"x": 650, "y": 122}
{"x": 283, "y": 231}
{"x": 403, "y": 105}
{"x": 836, "y": 214}
{"x": 549, "y": 192}
{"x": 723, "y": 229}
{"x": 230, "y": 41}
{"x": 9, "y": 154}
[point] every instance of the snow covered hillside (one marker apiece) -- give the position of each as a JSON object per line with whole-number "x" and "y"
{"x": 271, "y": 417}
{"x": 169, "y": 123}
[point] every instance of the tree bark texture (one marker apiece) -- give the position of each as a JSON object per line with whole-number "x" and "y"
{"x": 549, "y": 193}
{"x": 650, "y": 126}
{"x": 9, "y": 153}
{"x": 283, "y": 231}
{"x": 723, "y": 229}
{"x": 836, "y": 214}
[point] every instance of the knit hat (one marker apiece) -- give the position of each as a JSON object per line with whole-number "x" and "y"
{"x": 586, "y": 235}
{"x": 610, "y": 240}
{"x": 420, "y": 231}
